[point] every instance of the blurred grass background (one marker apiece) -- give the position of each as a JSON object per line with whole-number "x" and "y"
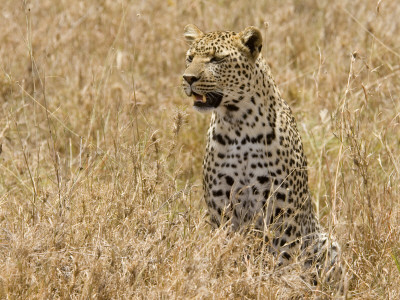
{"x": 100, "y": 160}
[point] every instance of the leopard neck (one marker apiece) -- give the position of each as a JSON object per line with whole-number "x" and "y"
{"x": 247, "y": 107}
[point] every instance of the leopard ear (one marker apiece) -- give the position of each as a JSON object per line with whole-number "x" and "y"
{"x": 192, "y": 33}
{"x": 251, "y": 39}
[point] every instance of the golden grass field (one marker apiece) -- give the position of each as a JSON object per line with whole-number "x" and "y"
{"x": 101, "y": 151}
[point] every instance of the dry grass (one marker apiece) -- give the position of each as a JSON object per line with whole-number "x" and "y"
{"x": 100, "y": 192}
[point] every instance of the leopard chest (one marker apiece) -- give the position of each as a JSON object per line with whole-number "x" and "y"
{"x": 244, "y": 169}
{"x": 235, "y": 173}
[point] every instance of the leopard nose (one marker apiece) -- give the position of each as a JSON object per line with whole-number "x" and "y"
{"x": 190, "y": 78}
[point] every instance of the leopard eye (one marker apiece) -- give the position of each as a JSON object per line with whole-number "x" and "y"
{"x": 189, "y": 59}
{"x": 217, "y": 59}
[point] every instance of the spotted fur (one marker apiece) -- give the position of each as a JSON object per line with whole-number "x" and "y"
{"x": 254, "y": 170}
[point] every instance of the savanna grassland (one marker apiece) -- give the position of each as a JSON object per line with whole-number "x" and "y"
{"x": 100, "y": 160}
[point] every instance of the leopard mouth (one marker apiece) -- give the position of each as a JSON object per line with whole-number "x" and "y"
{"x": 206, "y": 101}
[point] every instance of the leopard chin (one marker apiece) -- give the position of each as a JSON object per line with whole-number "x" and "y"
{"x": 206, "y": 102}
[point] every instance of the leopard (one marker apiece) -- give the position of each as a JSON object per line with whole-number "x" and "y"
{"x": 254, "y": 168}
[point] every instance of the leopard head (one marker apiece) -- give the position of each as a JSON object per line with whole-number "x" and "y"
{"x": 219, "y": 65}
